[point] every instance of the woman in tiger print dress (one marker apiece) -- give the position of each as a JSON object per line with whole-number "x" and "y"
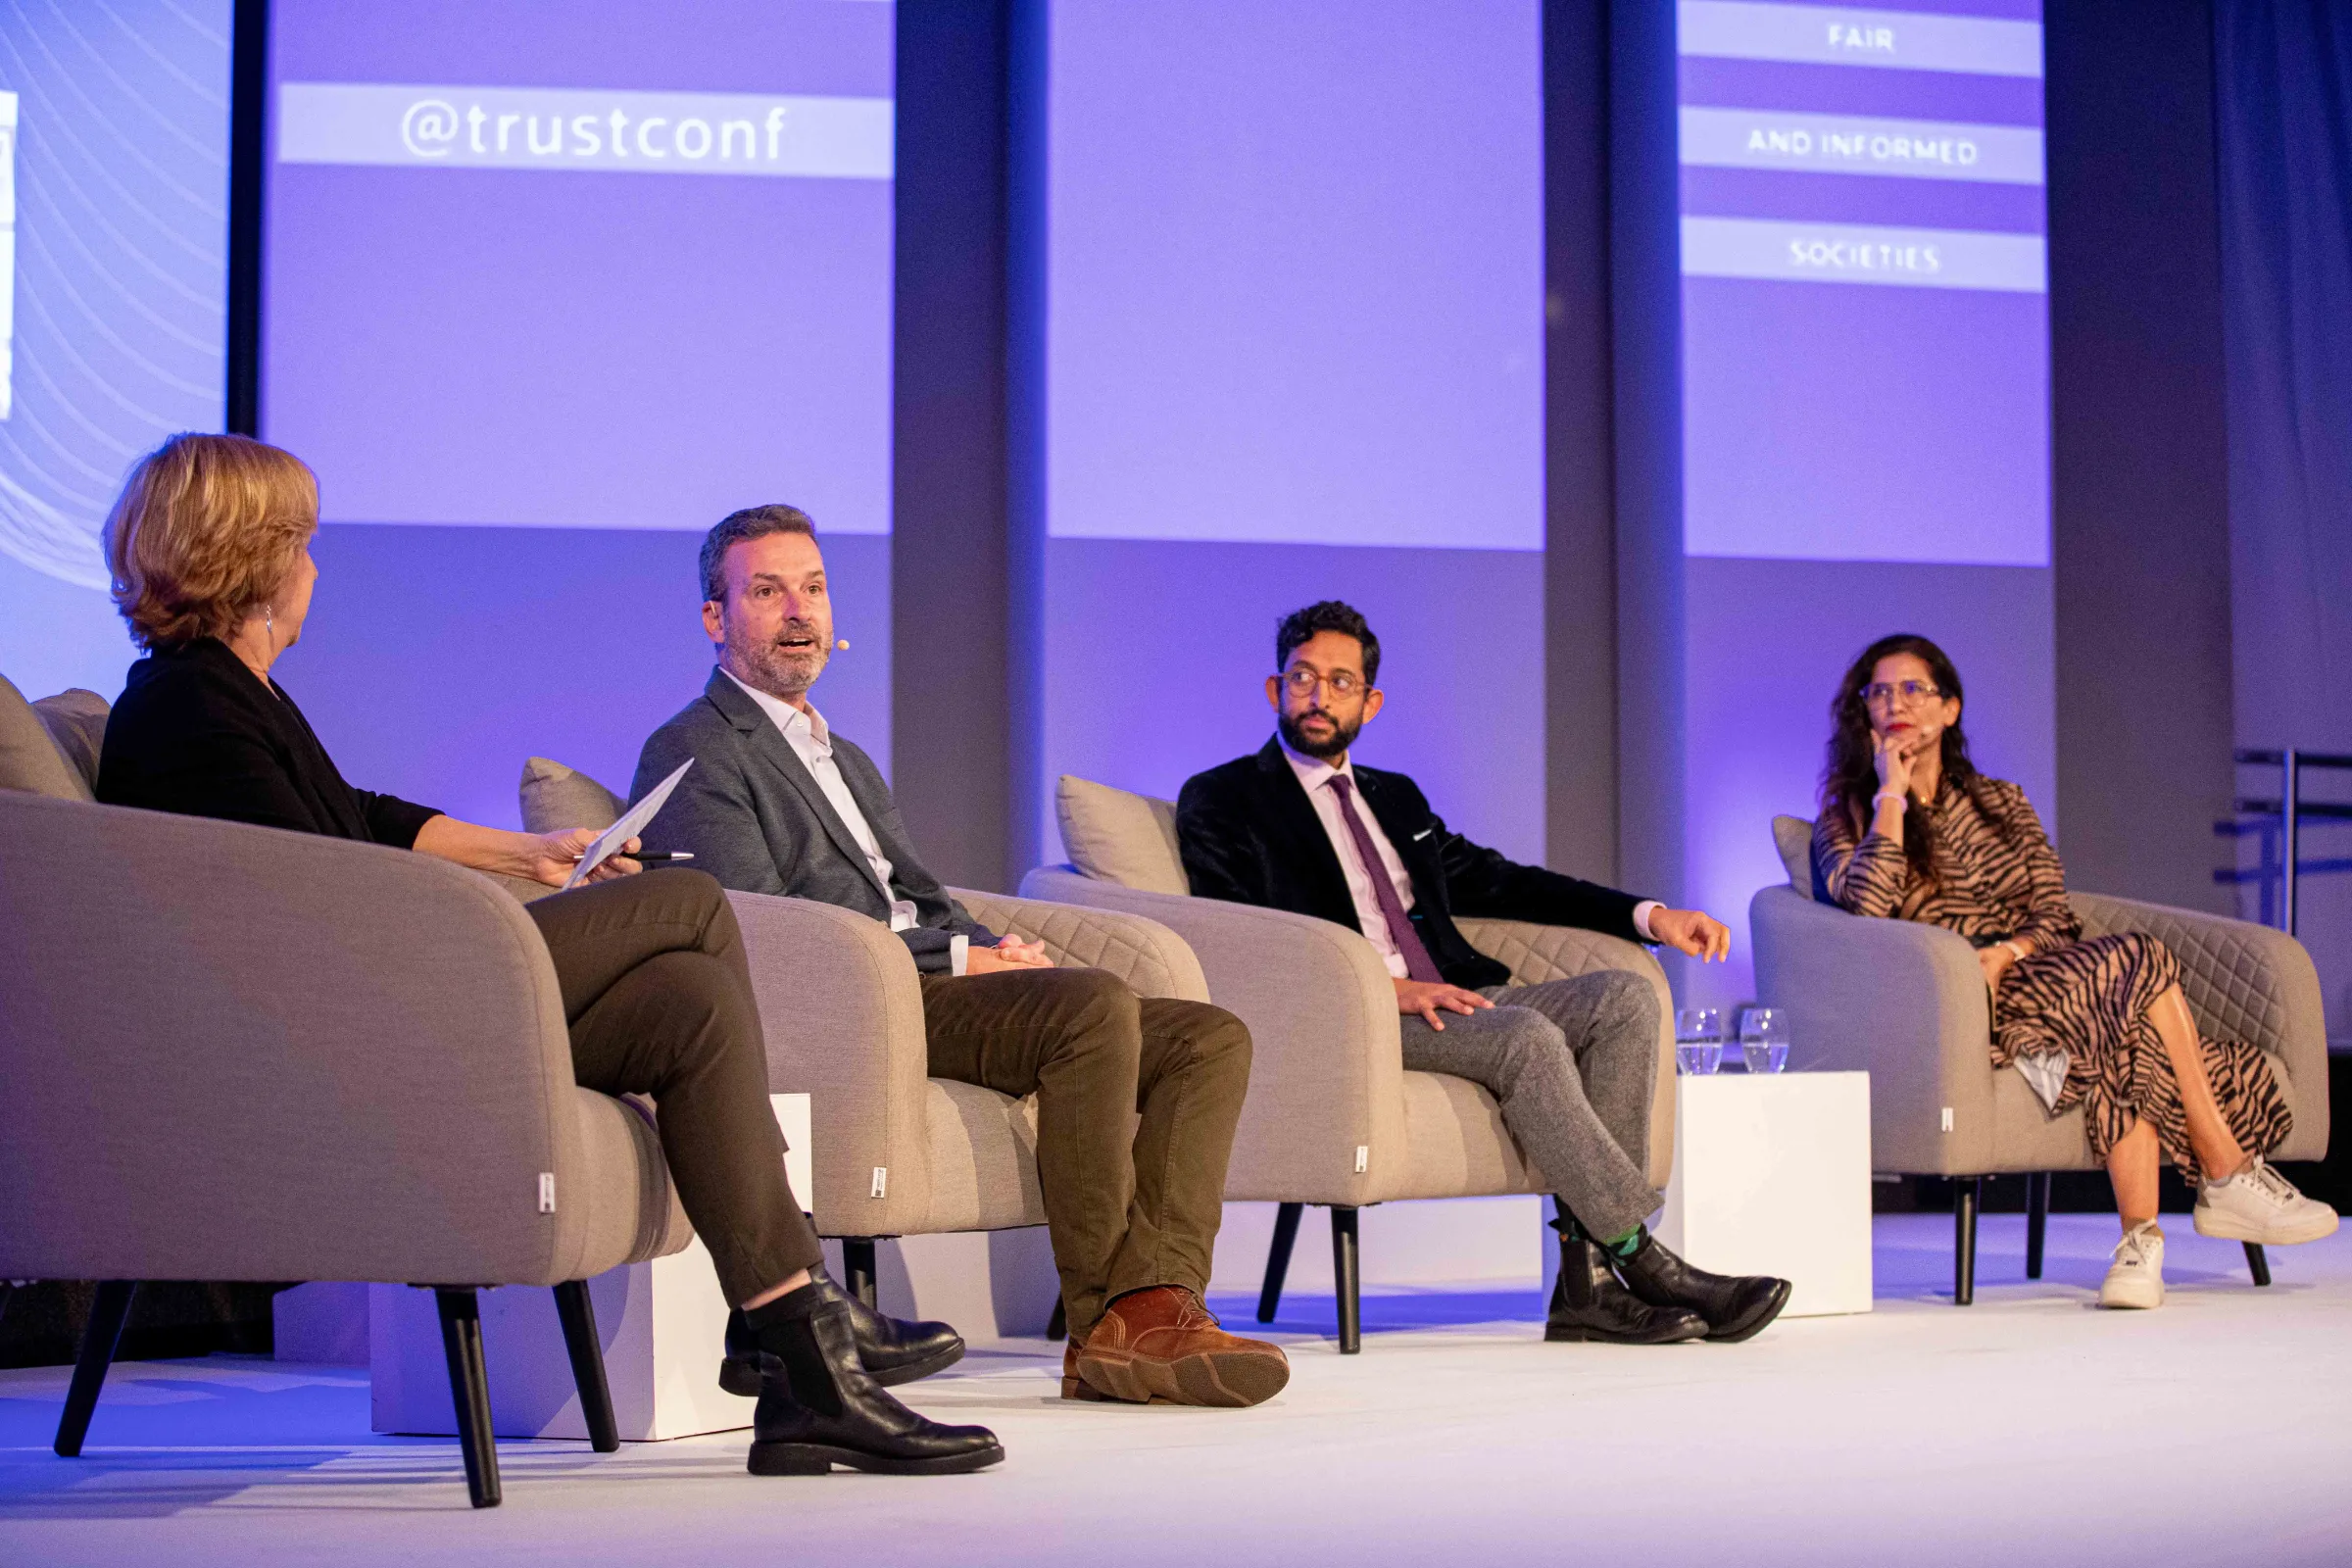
{"x": 1910, "y": 831}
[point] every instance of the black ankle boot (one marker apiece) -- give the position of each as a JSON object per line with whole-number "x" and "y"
{"x": 891, "y": 1349}
{"x": 818, "y": 1407}
{"x": 1736, "y": 1307}
{"x": 1587, "y": 1303}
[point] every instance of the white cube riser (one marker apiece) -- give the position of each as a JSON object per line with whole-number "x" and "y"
{"x": 1772, "y": 1176}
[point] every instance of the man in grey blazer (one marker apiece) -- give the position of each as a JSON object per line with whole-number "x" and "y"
{"x": 777, "y": 802}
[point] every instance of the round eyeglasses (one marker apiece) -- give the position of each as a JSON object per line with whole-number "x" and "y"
{"x": 1302, "y": 683}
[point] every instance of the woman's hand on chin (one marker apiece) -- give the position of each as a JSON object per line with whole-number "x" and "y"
{"x": 1893, "y": 756}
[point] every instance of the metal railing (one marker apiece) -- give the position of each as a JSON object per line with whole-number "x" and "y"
{"x": 2285, "y": 817}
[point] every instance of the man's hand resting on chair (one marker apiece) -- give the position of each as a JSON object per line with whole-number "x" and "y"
{"x": 1010, "y": 953}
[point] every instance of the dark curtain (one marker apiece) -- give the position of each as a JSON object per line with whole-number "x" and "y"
{"x": 2283, "y": 102}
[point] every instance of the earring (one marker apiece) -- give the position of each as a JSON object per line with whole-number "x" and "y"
{"x": 269, "y": 622}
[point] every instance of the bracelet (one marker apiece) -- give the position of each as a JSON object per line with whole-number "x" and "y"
{"x": 1896, "y": 796}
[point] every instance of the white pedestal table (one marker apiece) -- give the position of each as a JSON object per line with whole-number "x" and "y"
{"x": 1772, "y": 1176}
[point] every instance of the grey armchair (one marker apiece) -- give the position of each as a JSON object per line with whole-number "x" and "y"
{"x": 238, "y": 1053}
{"x": 1332, "y": 1117}
{"x": 903, "y": 1153}
{"x": 1906, "y": 1002}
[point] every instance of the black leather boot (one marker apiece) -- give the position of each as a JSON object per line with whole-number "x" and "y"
{"x": 892, "y": 1351}
{"x": 1588, "y": 1303}
{"x": 1736, "y": 1307}
{"x": 818, "y": 1407}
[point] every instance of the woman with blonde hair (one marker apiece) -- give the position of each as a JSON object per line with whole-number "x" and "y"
{"x": 209, "y": 549}
{"x": 1910, "y": 831}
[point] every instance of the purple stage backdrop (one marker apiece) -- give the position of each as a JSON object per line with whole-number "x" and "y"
{"x": 1295, "y": 352}
{"x": 537, "y": 274}
{"x": 1293, "y": 349}
{"x": 113, "y": 265}
{"x": 1865, "y": 394}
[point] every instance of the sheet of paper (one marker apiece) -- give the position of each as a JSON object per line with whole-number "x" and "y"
{"x": 633, "y": 822}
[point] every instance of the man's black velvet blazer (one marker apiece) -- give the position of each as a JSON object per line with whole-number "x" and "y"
{"x": 1249, "y": 834}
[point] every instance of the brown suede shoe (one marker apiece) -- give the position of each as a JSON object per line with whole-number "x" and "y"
{"x": 1163, "y": 1343}
{"x": 1074, "y": 1386}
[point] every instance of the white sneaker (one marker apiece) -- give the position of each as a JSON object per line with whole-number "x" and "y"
{"x": 2258, "y": 1205}
{"x": 2135, "y": 1279}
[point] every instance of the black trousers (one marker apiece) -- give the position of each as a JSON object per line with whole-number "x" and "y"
{"x": 660, "y": 1003}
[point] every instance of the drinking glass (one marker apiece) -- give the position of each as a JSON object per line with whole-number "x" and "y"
{"x": 1764, "y": 1039}
{"x": 1698, "y": 1040}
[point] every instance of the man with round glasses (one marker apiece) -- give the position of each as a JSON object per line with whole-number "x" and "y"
{"x": 1299, "y": 827}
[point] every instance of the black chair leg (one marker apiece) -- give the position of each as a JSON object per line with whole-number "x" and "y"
{"x": 1278, "y": 1260}
{"x": 2258, "y": 1262}
{"x": 1344, "y": 1274}
{"x": 578, "y": 1314}
{"x": 1970, "y": 1192}
{"x": 2038, "y": 1220}
{"x": 1058, "y": 1326}
{"x": 470, "y": 1391}
{"x": 857, "y": 1267}
{"x": 98, "y": 1341}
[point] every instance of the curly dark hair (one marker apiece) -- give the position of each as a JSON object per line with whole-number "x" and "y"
{"x": 1330, "y": 615}
{"x": 1850, "y": 776}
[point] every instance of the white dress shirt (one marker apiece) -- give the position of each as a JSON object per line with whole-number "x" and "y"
{"x": 1315, "y": 776}
{"x": 811, "y": 741}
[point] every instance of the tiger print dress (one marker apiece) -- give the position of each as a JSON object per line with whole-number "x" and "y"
{"x": 1992, "y": 875}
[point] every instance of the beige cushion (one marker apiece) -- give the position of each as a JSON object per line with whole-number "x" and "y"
{"x": 29, "y": 758}
{"x": 983, "y": 1158}
{"x": 1792, "y": 836}
{"x": 633, "y": 1212}
{"x": 1456, "y": 1144}
{"x": 555, "y": 797}
{"x": 1113, "y": 836}
{"x": 1152, "y": 959}
{"x": 75, "y": 719}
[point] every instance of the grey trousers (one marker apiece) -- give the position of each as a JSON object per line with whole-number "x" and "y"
{"x": 1573, "y": 1063}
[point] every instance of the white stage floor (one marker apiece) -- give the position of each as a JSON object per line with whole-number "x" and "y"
{"x": 2026, "y": 1429}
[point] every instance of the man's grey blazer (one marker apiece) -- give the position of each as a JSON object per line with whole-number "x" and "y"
{"x": 751, "y": 815}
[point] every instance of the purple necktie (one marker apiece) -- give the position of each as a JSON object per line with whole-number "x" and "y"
{"x": 1401, "y": 935}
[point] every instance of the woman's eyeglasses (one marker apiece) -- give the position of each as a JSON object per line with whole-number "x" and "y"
{"x": 1879, "y": 694}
